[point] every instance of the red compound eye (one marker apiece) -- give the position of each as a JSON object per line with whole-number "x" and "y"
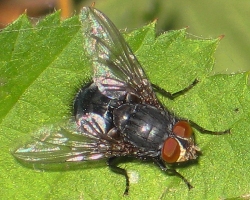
{"x": 183, "y": 129}
{"x": 170, "y": 151}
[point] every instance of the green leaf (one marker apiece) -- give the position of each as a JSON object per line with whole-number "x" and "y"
{"x": 41, "y": 67}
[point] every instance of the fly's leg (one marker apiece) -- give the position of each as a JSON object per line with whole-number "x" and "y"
{"x": 112, "y": 163}
{"x": 202, "y": 130}
{"x": 172, "y": 172}
{"x": 176, "y": 94}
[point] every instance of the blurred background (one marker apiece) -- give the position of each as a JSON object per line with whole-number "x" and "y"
{"x": 205, "y": 19}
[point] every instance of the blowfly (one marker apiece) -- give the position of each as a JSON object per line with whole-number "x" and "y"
{"x": 117, "y": 114}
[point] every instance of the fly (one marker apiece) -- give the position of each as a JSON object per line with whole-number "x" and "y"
{"x": 117, "y": 114}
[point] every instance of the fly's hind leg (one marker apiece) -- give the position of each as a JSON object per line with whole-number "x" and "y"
{"x": 112, "y": 163}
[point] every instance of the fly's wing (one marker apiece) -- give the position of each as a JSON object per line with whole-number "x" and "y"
{"x": 117, "y": 71}
{"x": 65, "y": 144}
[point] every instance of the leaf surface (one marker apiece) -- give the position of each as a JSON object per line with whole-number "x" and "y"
{"x": 41, "y": 68}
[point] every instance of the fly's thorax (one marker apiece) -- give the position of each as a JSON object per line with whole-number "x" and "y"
{"x": 179, "y": 146}
{"x": 143, "y": 125}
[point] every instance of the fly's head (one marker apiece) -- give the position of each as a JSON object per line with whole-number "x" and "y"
{"x": 180, "y": 146}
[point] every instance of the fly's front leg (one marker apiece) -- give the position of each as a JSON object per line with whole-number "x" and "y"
{"x": 163, "y": 167}
{"x": 202, "y": 130}
{"x": 112, "y": 163}
{"x": 172, "y": 96}
{"x": 176, "y": 94}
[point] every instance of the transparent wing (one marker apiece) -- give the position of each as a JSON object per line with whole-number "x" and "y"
{"x": 64, "y": 143}
{"x": 116, "y": 69}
